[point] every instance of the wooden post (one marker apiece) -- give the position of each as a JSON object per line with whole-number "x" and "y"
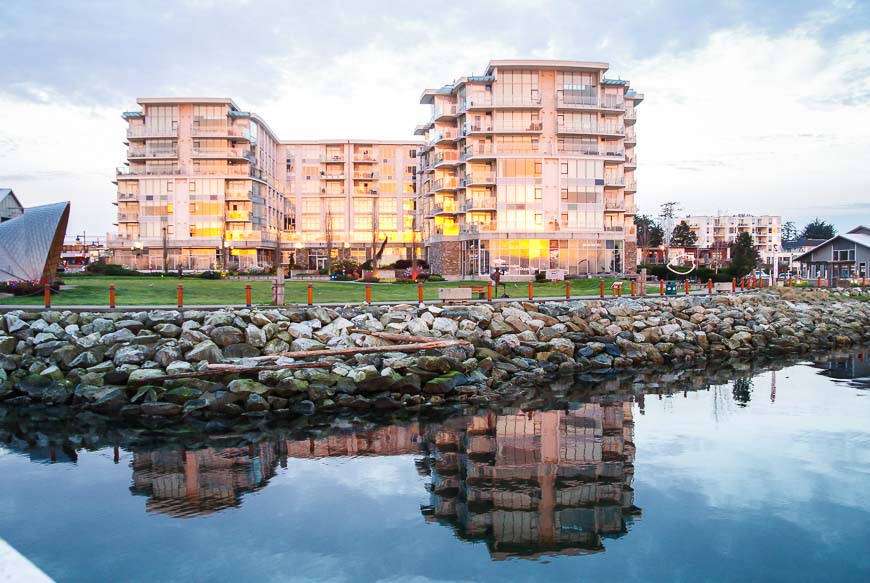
{"x": 46, "y": 293}
{"x": 864, "y": 281}
{"x": 710, "y": 285}
{"x": 180, "y": 296}
{"x": 661, "y": 287}
{"x": 368, "y": 293}
{"x": 619, "y": 291}
{"x": 819, "y": 282}
{"x": 733, "y": 284}
{"x": 310, "y": 294}
{"x": 531, "y": 290}
{"x": 567, "y": 289}
{"x": 601, "y": 287}
{"x": 420, "y": 292}
{"x": 743, "y": 283}
{"x": 489, "y": 291}
{"x": 687, "y": 286}
{"x": 248, "y": 293}
{"x": 112, "y": 295}
{"x": 633, "y": 287}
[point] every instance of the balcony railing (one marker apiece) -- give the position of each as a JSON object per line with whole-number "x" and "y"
{"x": 573, "y": 101}
{"x": 480, "y": 227}
{"x": 128, "y": 217}
{"x": 443, "y": 111}
{"x": 478, "y": 178}
{"x": 238, "y": 195}
{"x": 444, "y": 184}
{"x": 364, "y": 157}
{"x": 128, "y": 196}
{"x": 148, "y": 132}
{"x": 446, "y": 208}
{"x": 332, "y": 175}
{"x": 238, "y": 215}
{"x": 443, "y": 135}
{"x": 630, "y": 114}
{"x": 533, "y": 127}
{"x": 630, "y": 138}
{"x": 447, "y": 230}
{"x": 487, "y": 101}
{"x": 612, "y": 103}
{"x": 134, "y": 153}
{"x": 614, "y": 180}
{"x": 480, "y": 204}
{"x": 152, "y": 171}
{"x": 614, "y": 205}
{"x": 477, "y": 150}
{"x": 631, "y": 185}
{"x": 445, "y": 157}
{"x": 365, "y": 175}
{"x": 630, "y": 209}
{"x": 220, "y": 130}
{"x": 631, "y": 160}
{"x": 614, "y": 229}
{"x": 222, "y": 153}
{"x": 477, "y": 128}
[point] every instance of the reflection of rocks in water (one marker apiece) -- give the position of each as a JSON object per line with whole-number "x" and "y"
{"x": 551, "y": 482}
{"x": 188, "y": 483}
{"x": 848, "y": 366}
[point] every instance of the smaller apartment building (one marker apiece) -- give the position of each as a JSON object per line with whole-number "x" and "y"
{"x": 719, "y": 231}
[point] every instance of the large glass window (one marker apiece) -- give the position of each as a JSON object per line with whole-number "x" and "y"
{"x": 517, "y": 87}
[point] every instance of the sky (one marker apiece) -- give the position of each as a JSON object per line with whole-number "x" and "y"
{"x": 751, "y": 106}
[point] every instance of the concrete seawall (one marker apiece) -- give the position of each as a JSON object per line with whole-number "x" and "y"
{"x": 115, "y": 364}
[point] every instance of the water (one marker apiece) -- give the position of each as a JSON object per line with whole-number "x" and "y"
{"x": 761, "y": 478}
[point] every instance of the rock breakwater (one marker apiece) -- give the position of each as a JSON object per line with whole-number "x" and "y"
{"x": 116, "y": 363}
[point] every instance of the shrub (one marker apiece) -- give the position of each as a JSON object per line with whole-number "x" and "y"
{"x": 370, "y": 279}
{"x": 405, "y": 280}
{"x": 100, "y": 268}
{"x": 435, "y": 277}
{"x": 540, "y": 276}
{"x": 406, "y": 264}
{"x": 26, "y": 288}
{"x": 210, "y": 275}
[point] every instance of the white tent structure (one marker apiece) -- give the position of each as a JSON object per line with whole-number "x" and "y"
{"x": 30, "y": 244}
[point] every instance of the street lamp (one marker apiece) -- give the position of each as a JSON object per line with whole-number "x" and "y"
{"x": 228, "y": 250}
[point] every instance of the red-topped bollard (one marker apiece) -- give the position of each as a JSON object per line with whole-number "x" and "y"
{"x": 420, "y": 292}
{"x": 368, "y": 293}
{"x": 710, "y": 285}
{"x": 531, "y": 290}
{"x": 180, "y": 296}
{"x": 310, "y": 294}
{"x": 248, "y": 295}
{"x": 819, "y": 282}
{"x": 743, "y": 284}
{"x": 633, "y": 288}
{"x": 687, "y": 286}
{"x": 661, "y": 287}
{"x": 601, "y": 288}
{"x": 489, "y": 291}
{"x": 567, "y": 289}
{"x": 733, "y": 284}
{"x": 46, "y": 293}
{"x": 111, "y": 295}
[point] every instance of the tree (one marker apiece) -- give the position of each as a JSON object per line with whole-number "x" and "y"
{"x": 649, "y": 233}
{"x": 684, "y": 236}
{"x": 741, "y": 391}
{"x": 819, "y": 229}
{"x": 789, "y": 231}
{"x": 744, "y": 257}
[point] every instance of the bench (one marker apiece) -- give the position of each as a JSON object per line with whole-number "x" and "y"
{"x": 454, "y": 294}
{"x": 722, "y": 287}
{"x": 616, "y": 288}
{"x": 480, "y": 290}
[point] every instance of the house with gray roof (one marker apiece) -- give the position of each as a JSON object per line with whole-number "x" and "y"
{"x": 10, "y": 206}
{"x": 842, "y": 257}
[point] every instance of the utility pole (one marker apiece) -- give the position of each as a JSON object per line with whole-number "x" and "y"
{"x": 165, "y": 251}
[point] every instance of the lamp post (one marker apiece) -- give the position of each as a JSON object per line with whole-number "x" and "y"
{"x": 136, "y": 249}
{"x": 228, "y": 251}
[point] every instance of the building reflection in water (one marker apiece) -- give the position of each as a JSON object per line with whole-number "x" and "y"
{"x": 532, "y": 484}
{"x": 851, "y": 367}
{"x": 528, "y": 484}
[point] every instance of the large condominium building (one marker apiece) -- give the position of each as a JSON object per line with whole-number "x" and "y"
{"x": 207, "y": 185}
{"x": 721, "y": 230}
{"x": 530, "y": 167}
{"x": 350, "y": 197}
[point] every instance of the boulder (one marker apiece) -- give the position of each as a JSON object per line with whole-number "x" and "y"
{"x": 227, "y": 335}
{"x": 207, "y": 351}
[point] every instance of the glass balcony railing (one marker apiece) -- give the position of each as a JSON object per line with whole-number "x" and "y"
{"x": 631, "y": 185}
{"x": 151, "y": 132}
{"x": 238, "y": 195}
{"x": 480, "y": 204}
{"x": 532, "y": 127}
{"x": 445, "y": 157}
{"x": 238, "y": 215}
{"x": 478, "y": 178}
{"x": 480, "y": 227}
{"x": 448, "y": 183}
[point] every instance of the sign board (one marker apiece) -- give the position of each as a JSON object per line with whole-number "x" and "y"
{"x": 556, "y": 274}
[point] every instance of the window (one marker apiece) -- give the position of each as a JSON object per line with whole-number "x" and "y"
{"x": 844, "y": 255}
{"x": 170, "y": 186}
{"x": 412, "y": 153}
{"x": 191, "y": 186}
{"x": 538, "y": 194}
{"x": 539, "y": 218}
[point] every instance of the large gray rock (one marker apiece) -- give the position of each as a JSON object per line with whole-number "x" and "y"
{"x": 207, "y": 351}
{"x": 14, "y": 323}
{"x": 276, "y": 346}
{"x": 445, "y": 326}
{"x": 168, "y": 330}
{"x": 247, "y": 386}
{"x": 144, "y": 374}
{"x": 122, "y": 335}
{"x": 255, "y": 336}
{"x": 304, "y": 344}
{"x": 133, "y": 354}
{"x": 227, "y": 335}
{"x": 8, "y": 344}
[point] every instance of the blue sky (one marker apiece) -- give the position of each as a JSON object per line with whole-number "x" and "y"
{"x": 751, "y": 106}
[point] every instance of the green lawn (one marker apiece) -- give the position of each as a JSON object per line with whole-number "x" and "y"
{"x": 131, "y": 291}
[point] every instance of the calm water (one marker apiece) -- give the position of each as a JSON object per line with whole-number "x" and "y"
{"x": 765, "y": 477}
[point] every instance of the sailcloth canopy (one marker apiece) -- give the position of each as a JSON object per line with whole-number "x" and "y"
{"x": 30, "y": 244}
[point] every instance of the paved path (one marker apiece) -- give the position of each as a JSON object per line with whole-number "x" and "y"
{"x": 15, "y": 568}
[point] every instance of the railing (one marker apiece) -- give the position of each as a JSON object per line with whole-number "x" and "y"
{"x": 448, "y": 230}
{"x": 238, "y": 195}
{"x": 614, "y": 205}
{"x": 444, "y": 134}
{"x": 448, "y": 156}
{"x": 449, "y": 208}
{"x": 532, "y": 127}
{"x": 222, "y": 153}
{"x": 128, "y": 217}
{"x": 617, "y": 229}
{"x": 219, "y": 130}
{"x": 471, "y": 128}
{"x": 611, "y": 103}
{"x": 143, "y": 153}
{"x": 131, "y": 171}
{"x": 614, "y": 180}
{"x": 630, "y": 138}
{"x": 444, "y": 183}
{"x": 332, "y": 157}
{"x": 631, "y": 185}
{"x": 630, "y": 114}
{"x": 365, "y": 190}
{"x": 365, "y": 175}
{"x": 480, "y": 204}
{"x": 477, "y": 150}
{"x": 364, "y": 157}
{"x": 443, "y": 111}
{"x": 146, "y": 132}
{"x": 587, "y": 101}
{"x": 478, "y": 178}
{"x": 480, "y": 227}
{"x": 332, "y": 176}
{"x": 631, "y": 160}
{"x": 128, "y": 196}
{"x": 238, "y": 215}
{"x": 630, "y": 209}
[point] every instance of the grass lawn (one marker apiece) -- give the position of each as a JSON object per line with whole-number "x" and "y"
{"x": 132, "y": 291}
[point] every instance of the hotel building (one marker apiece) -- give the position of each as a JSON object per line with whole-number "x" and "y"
{"x": 530, "y": 167}
{"x": 719, "y": 231}
{"x": 207, "y": 185}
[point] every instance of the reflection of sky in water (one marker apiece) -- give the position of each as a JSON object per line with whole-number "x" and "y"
{"x": 769, "y": 491}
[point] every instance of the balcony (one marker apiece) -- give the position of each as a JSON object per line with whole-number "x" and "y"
{"x": 480, "y": 227}
{"x": 364, "y": 191}
{"x": 143, "y": 153}
{"x": 444, "y": 135}
{"x": 477, "y": 128}
{"x": 333, "y": 175}
{"x": 630, "y": 209}
{"x": 365, "y": 175}
{"x": 238, "y": 216}
{"x": 572, "y": 100}
{"x": 223, "y": 153}
{"x": 128, "y": 196}
{"x": 478, "y": 178}
{"x": 152, "y": 171}
{"x": 364, "y": 158}
{"x": 613, "y": 229}
{"x": 333, "y": 157}
{"x": 616, "y": 104}
{"x": 535, "y": 127}
{"x": 447, "y": 208}
{"x": 480, "y": 204}
{"x": 219, "y": 128}
{"x": 614, "y": 181}
{"x": 630, "y": 139}
{"x": 444, "y": 112}
{"x": 445, "y": 158}
{"x": 614, "y": 205}
{"x": 447, "y": 230}
{"x": 238, "y": 195}
{"x": 449, "y": 183}
{"x": 478, "y": 152}
{"x": 613, "y": 156}
{"x": 631, "y": 161}
{"x": 630, "y": 115}
{"x": 142, "y": 132}
{"x": 631, "y": 186}
{"x": 128, "y": 217}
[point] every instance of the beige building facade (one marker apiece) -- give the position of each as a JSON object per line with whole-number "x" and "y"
{"x": 209, "y": 186}
{"x": 530, "y": 167}
{"x": 719, "y": 231}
